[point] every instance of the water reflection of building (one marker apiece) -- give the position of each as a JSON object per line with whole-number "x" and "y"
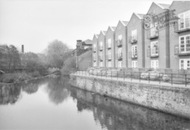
{"x": 117, "y": 115}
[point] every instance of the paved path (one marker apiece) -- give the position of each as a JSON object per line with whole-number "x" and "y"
{"x": 148, "y": 82}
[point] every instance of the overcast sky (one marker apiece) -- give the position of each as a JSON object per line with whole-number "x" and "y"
{"x": 35, "y": 23}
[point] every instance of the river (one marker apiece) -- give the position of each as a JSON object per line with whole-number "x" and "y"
{"x": 53, "y": 104}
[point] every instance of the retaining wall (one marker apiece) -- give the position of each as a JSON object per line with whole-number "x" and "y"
{"x": 174, "y": 100}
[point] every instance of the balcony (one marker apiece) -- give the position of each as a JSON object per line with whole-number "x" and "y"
{"x": 101, "y": 48}
{"x": 119, "y": 57}
{"x": 109, "y": 47}
{"x": 180, "y": 30}
{"x": 109, "y": 58}
{"x": 100, "y": 57}
{"x": 154, "y": 55}
{"x": 133, "y": 39}
{"x": 154, "y": 33}
{"x": 134, "y": 56}
{"x": 119, "y": 43}
{"x": 179, "y": 52}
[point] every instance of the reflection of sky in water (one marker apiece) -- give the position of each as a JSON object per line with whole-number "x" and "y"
{"x": 37, "y": 112}
{"x": 51, "y": 104}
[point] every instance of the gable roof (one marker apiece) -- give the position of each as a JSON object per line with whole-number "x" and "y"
{"x": 163, "y": 6}
{"x": 124, "y": 23}
{"x": 160, "y": 5}
{"x": 88, "y": 41}
{"x": 113, "y": 28}
{"x": 140, "y": 16}
{"x": 102, "y": 32}
{"x": 96, "y": 36}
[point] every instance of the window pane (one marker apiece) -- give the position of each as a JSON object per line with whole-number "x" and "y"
{"x": 181, "y": 21}
{"x": 182, "y": 47}
{"x": 188, "y": 64}
{"x": 182, "y": 64}
{"x": 187, "y": 19}
{"x": 188, "y": 43}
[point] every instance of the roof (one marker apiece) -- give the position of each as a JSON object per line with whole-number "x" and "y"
{"x": 163, "y": 6}
{"x": 88, "y": 41}
{"x": 140, "y": 16}
{"x": 113, "y": 28}
{"x": 96, "y": 35}
{"x": 160, "y": 5}
{"x": 103, "y": 32}
{"x": 124, "y": 23}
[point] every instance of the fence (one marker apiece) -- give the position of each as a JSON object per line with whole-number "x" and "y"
{"x": 148, "y": 76}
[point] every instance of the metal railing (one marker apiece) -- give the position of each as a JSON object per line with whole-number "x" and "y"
{"x": 154, "y": 77}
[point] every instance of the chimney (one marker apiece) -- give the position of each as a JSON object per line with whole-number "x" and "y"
{"x": 22, "y": 48}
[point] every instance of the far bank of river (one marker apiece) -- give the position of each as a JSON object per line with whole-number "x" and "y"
{"x": 12, "y": 78}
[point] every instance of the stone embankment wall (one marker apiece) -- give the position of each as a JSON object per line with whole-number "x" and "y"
{"x": 174, "y": 100}
{"x": 112, "y": 113}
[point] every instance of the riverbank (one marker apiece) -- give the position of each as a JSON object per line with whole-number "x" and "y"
{"x": 169, "y": 99}
{"x": 11, "y": 78}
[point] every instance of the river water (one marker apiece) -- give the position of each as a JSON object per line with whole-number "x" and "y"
{"x": 53, "y": 104}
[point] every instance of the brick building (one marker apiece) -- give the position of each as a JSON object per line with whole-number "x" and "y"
{"x": 110, "y": 47}
{"x": 159, "y": 39}
{"x": 135, "y": 42}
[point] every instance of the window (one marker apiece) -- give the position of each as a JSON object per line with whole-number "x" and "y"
{"x": 109, "y": 55}
{"x": 119, "y": 42}
{"x": 95, "y": 64}
{"x": 94, "y": 47}
{"x": 101, "y": 64}
{"x": 119, "y": 64}
{"x": 94, "y": 57}
{"x": 134, "y": 64}
{"x": 184, "y": 44}
{"x": 134, "y": 51}
{"x": 154, "y": 64}
{"x": 184, "y": 64}
{"x": 101, "y": 56}
{"x": 154, "y": 48}
{"x": 119, "y": 53}
{"x": 134, "y": 35}
{"x": 154, "y": 30}
{"x": 109, "y": 64}
{"x": 184, "y": 20}
{"x": 101, "y": 45}
{"x": 109, "y": 43}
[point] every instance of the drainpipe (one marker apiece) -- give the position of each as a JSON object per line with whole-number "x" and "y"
{"x": 143, "y": 45}
{"x": 167, "y": 39}
{"x": 126, "y": 43}
{"x": 113, "y": 49}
